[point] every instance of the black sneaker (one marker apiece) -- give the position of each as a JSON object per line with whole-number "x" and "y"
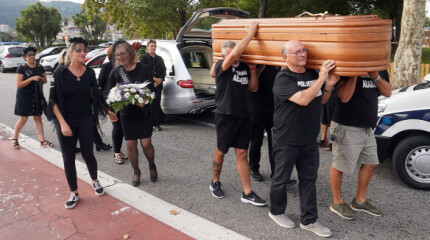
{"x": 98, "y": 189}
{"x": 73, "y": 199}
{"x": 255, "y": 174}
{"x": 216, "y": 190}
{"x": 157, "y": 128}
{"x": 253, "y": 198}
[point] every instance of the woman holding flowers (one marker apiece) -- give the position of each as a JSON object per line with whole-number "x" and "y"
{"x": 76, "y": 101}
{"x": 134, "y": 83}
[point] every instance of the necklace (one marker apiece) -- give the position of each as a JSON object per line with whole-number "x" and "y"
{"x": 78, "y": 78}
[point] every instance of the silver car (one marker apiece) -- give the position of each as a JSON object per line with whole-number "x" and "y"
{"x": 188, "y": 87}
{"x": 11, "y": 57}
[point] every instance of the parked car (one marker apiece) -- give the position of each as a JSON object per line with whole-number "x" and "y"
{"x": 188, "y": 87}
{"x": 11, "y": 57}
{"x": 403, "y": 133}
{"x": 93, "y": 53}
{"x": 49, "y": 51}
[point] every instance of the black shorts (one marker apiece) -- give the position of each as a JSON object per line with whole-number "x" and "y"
{"x": 232, "y": 131}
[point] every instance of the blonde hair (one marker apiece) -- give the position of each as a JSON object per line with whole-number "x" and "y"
{"x": 64, "y": 57}
{"x": 131, "y": 53}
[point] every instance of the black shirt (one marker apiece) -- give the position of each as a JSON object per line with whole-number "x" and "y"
{"x": 295, "y": 124}
{"x": 156, "y": 66}
{"x": 77, "y": 93}
{"x": 139, "y": 74}
{"x": 262, "y": 100}
{"x": 362, "y": 109}
{"x": 231, "y": 89}
{"x": 103, "y": 77}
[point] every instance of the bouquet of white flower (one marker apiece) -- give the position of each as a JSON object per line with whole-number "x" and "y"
{"x": 124, "y": 94}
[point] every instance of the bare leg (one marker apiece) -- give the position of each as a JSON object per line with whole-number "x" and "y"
{"x": 39, "y": 127}
{"x": 243, "y": 169}
{"x": 364, "y": 175}
{"x": 19, "y": 125}
{"x": 336, "y": 183}
{"x": 218, "y": 160}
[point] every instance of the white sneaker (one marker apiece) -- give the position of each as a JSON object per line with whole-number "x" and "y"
{"x": 317, "y": 228}
{"x": 282, "y": 220}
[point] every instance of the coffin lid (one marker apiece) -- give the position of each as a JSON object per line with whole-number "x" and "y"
{"x": 199, "y": 26}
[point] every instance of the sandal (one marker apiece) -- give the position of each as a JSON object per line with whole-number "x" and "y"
{"x": 322, "y": 143}
{"x": 45, "y": 143}
{"x": 118, "y": 158}
{"x": 329, "y": 147}
{"x": 15, "y": 144}
{"x": 123, "y": 156}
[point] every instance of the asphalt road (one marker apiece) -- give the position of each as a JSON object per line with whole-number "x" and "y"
{"x": 184, "y": 152}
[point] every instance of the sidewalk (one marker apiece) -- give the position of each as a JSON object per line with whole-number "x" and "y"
{"x": 33, "y": 192}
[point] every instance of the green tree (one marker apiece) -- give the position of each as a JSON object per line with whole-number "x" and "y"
{"x": 39, "y": 24}
{"x": 92, "y": 30}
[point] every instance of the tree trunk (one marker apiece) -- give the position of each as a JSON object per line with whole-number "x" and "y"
{"x": 408, "y": 55}
{"x": 263, "y": 6}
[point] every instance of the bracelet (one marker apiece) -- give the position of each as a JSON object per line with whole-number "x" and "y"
{"x": 252, "y": 69}
{"x": 325, "y": 89}
{"x": 376, "y": 80}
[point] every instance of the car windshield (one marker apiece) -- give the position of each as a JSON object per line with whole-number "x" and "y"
{"x": 422, "y": 85}
{"x": 205, "y": 24}
{"x": 48, "y": 50}
{"x": 94, "y": 52}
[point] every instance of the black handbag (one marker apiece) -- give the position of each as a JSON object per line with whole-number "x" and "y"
{"x": 47, "y": 110}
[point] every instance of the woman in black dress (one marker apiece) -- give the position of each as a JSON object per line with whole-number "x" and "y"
{"x": 29, "y": 96}
{"x": 136, "y": 121}
{"x": 76, "y": 101}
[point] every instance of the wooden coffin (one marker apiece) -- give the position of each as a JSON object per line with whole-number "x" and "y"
{"x": 358, "y": 44}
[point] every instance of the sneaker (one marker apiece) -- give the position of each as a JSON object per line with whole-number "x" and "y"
{"x": 365, "y": 207}
{"x": 317, "y": 228}
{"x": 255, "y": 174}
{"x": 282, "y": 220}
{"x": 343, "y": 210}
{"x": 216, "y": 190}
{"x": 98, "y": 189}
{"x": 157, "y": 128}
{"x": 253, "y": 198}
{"x": 73, "y": 199}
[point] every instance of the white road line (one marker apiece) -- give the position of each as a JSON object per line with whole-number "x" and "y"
{"x": 186, "y": 222}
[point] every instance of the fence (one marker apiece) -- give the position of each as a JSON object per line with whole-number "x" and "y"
{"x": 425, "y": 69}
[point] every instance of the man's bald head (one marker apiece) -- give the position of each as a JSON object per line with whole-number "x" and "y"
{"x": 292, "y": 44}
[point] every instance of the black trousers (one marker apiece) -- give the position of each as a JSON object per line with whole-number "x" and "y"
{"x": 83, "y": 130}
{"x": 117, "y": 134}
{"x": 306, "y": 159}
{"x": 260, "y": 122}
{"x": 156, "y": 112}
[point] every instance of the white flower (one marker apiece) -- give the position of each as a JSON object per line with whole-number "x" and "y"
{"x": 140, "y": 100}
{"x": 132, "y": 101}
{"x": 118, "y": 98}
{"x": 136, "y": 96}
{"x": 133, "y": 90}
{"x": 141, "y": 91}
{"x": 126, "y": 89}
{"x": 127, "y": 94}
{"x": 152, "y": 95}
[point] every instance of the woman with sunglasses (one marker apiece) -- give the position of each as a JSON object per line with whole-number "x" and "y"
{"x": 30, "y": 78}
{"x": 76, "y": 101}
{"x": 136, "y": 121}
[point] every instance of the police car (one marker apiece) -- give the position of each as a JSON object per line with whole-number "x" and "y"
{"x": 403, "y": 133}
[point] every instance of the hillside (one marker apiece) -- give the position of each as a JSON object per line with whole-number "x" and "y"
{"x": 11, "y": 9}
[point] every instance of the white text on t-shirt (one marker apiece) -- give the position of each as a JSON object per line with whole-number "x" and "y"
{"x": 305, "y": 83}
{"x": 368, "y": 84}
{"x": 240, "y": 76}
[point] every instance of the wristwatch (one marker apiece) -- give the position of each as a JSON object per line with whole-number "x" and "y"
{"x": 376, "y": 80}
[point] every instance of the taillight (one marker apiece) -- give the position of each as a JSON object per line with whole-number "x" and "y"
{"x": 185, "y": 83}
{"x": 7, "y": 55}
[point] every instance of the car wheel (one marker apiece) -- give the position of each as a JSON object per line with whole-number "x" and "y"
{"x": 2, "y": 69}
{"x": 411, "y": 161}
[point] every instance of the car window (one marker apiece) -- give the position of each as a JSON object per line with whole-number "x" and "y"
{"x": 422, "y": 85}
{"x": 195, "y": 60}
{"x": 205, "y": 24}
{"x": 98, "y": 61}
{"x": 46, "y": 51}
{"x": 167, "y": 58}
{"x": 16, "y": 51}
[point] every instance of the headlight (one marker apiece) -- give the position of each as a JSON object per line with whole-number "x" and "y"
{"x": 382, "y": 104}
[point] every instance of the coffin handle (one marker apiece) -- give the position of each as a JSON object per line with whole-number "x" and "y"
{"x": 323, "y": 15}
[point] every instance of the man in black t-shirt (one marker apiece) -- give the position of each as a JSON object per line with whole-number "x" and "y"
{"x": 233, "y": 79}
{"x": 354, "y": 143}
{"x": 298, "y": 93}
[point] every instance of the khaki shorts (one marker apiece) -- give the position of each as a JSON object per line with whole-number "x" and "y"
{"x": 352, "y": 147}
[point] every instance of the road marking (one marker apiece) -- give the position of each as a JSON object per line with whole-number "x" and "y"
{"x": 186, "y": 222}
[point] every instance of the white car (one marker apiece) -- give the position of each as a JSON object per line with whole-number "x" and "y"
{"x": 188, "y": 87}
{"x": 50, "y": 62}
{"x": 403, "y": 133}
{"x": 11, "y": 57}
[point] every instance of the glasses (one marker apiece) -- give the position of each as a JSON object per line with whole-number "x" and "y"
{"x": 121, "y": 54}
{"x": 299, "y": 52}
{"x": 31, "y": 55}
{"x": 85, "y": 50}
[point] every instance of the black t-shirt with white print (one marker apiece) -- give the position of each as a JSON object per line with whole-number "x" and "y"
{"x": 362, "y": 109}
{"x": 295, "y": 124}
{"x": 231, "y": 89}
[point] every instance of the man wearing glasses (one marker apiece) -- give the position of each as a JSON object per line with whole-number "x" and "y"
{"x": 298, "y": 94}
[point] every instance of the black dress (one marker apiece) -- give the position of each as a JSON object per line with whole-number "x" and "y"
{"x": 136, "y": 121}
{"x": 29, "y": 98}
